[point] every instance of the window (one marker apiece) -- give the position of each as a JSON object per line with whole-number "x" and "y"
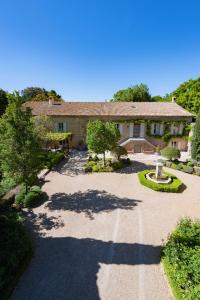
{"x": 174, "y": 144}
{"x": 175, "y": 130}
{"x": 60, "y": 126}
{"x": 156, "y": 128}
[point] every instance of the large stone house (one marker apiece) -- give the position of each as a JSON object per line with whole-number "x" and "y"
{"x": 144, "y": 126}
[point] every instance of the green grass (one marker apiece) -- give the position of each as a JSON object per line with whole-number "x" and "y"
{"x": 173, "y": 187}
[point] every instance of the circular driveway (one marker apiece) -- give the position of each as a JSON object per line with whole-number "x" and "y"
{"x": 98, "y": 236}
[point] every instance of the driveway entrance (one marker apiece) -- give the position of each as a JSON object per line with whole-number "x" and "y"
{"x": 98, "y": 236}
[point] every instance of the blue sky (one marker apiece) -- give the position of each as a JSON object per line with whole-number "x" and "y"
{"x": 87, "y": 49}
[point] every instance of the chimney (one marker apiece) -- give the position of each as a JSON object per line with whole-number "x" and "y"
{"x": 50, "y": 100}
{"x": 173, "y": 99}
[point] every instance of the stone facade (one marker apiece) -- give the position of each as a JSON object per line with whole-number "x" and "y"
{"x": 141, "y": 124}
{"x": 133, "y": 136}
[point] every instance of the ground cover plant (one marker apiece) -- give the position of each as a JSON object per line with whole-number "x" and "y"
{"x": 181, "y": 260}
{"x": 173, "y": 187}
{"x": 190, "y": 166}
{"x": 97, "y": 165}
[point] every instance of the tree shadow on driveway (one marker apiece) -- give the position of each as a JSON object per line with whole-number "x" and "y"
{"x": 67, "y": 267}
{"x": 90, "y": 202}
{"x": 135, "y": 167}
{"x": 72, "y": 166}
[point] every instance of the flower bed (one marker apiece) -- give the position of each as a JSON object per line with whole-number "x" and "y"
{"x": 173, "y": 187}
{"x": 181, "y": 260}
{"x": 190, "y": 167}
{"x": 96, "y": 165}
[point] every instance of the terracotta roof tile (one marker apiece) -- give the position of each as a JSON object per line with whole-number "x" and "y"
{"x": 114, "y": 109}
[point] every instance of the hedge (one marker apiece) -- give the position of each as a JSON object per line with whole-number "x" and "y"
{"x": 15, "y": 252}
{"x": 181, "y": 260}
{"x": 173, "y": 187}
{"x": 50, "y": 159}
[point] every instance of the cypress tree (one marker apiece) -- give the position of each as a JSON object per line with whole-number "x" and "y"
{"x": 196, "y": 140}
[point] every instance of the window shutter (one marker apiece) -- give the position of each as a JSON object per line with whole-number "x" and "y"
{"x": 172, "y": 129}
{"x": 121, "y": 128}
{"x": 57, "y": 127}
{"x": 64, "y": 126}
{"x": 161, "y": 129}
{"x": 181, "y": 128}
{"x": 152, "y": 128}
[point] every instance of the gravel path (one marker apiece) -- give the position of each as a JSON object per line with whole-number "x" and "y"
{"x": 98, "y": 236}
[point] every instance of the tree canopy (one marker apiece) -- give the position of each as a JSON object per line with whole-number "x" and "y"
{"x": 3, "y": 101}
{"x": 196, "y": 140}
{"x": 102, "y": 136}
{"x": 188, "y": 95}
{"x": 136, "y": 93}
{"x": 39, "y": 94}
{"x": 19, "y": 148}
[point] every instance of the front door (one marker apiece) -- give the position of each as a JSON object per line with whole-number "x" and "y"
{"x": 136, "y": 130}
{"x": 137, "y": 148}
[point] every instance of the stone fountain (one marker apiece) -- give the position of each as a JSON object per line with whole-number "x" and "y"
{"x": 158, "y": 176}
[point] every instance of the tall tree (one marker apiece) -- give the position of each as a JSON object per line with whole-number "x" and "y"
{"x": 31, "y": 92}
{"x": 188, "y": 95}
{"x": 136, "y": 93}
{"x": 39, "y": 94}
{"x": 19, "y": 148}
{"x": 102, "y": 136}
{"x": 196, "y": 139}
{"x": 3, "y": 101}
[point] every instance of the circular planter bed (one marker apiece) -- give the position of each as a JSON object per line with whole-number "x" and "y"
{"x": 173, "y": 187}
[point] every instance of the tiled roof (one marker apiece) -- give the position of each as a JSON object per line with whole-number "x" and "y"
{"x": 106, "y": 109}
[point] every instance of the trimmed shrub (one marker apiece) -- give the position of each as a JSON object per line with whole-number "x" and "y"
{"x": 173, "y": 166}
{"x": 197, "y": 170}
{"x": 190, "y": 164}
{"x": 118, "y": 151}
{"x": 179, "y": 167}
{"x": 19, "y": 198}
{"x": 52, "y": 158}
{"x": 28, "y": 199}
{"x": 173, "y": 187}
{"x": 117, "y": 165}
{"x": 36, "y": 189}
{"x": 181, "y": 259}
{"x": 95, "y": 168}
{"x": 171, "y": 153}
{"x": 31, "y": 199}
{"x": 187, "y": 169}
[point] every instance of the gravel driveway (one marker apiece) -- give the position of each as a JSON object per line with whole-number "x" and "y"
{"x": 98, "y": 236}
